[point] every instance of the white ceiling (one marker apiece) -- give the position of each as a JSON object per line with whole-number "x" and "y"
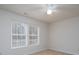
{"x": 38, "y": 11}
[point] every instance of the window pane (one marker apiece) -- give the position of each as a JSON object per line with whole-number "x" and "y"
{"x": 22, "y": 43}
{"x": 33, "y": 30}
{"x": 14, "y": 44}
{"x": 14, "y": 37}
{"x": 18, "y": 35}
{"x": 33, "y": 37}
{"x": 18, "y": 29}
{"x": 34, "y": 42}
{"x": 21, "y": 29}
{"x": 21, "y": 37}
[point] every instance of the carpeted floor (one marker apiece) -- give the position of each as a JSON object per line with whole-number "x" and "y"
{"x": 50, "y": 52}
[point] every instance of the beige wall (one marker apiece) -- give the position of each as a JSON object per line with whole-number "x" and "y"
{"x": 64, "y": 35}
{"x": 6, "y": 19}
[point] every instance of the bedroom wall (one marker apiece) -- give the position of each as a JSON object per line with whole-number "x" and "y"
{"x": 6, "y": 19}
{"x": 64, "y": 36}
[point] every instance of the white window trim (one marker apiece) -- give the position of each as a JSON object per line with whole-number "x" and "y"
{"x": 27, "y": 36}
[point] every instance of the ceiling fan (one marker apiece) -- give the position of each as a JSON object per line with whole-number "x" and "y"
{"x": 50, "y": 8}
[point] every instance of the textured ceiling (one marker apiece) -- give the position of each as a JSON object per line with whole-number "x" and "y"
{"x": 38, "y": 11}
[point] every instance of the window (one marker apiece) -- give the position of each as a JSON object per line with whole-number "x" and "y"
{"x": 24, "y": 35}
{"x": 33, "y": 35}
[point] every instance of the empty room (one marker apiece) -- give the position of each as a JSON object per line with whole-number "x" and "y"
{"x": 39, "y": 29}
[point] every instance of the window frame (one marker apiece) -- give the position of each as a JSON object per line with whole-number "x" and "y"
{"x": 27, "y": 36}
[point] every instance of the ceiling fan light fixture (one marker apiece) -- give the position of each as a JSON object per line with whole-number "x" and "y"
{"x": 49, "y": 11}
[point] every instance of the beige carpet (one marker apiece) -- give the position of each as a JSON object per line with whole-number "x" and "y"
{"x": 50, "y": 52}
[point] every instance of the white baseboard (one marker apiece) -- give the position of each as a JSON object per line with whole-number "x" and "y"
{"x": 66, "y": 52}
